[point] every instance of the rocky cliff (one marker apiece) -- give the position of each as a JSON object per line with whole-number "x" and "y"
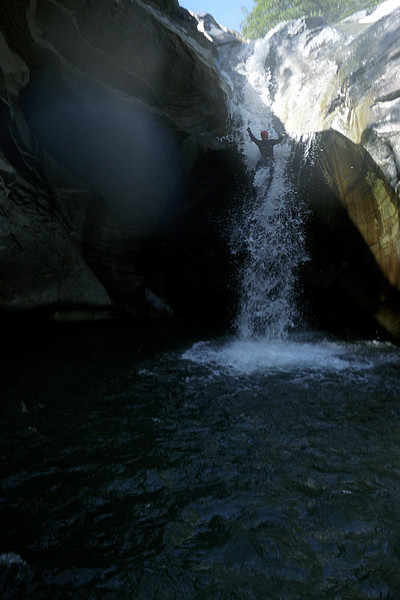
{"x": 345, "y": 77}
{"x": 106, "y": 113}
{"x": 353, "y": 177}
{"x": 115, "y": 185}
{"x": 352, "y": 281}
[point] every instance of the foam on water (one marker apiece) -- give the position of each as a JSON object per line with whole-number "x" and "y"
{"x": 247, "y": 357}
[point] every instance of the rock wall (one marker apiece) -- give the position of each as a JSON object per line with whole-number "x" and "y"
{"x": 345, "y": 77}
{"x": 107, "y": 110}
{"x": 353, "y": 279}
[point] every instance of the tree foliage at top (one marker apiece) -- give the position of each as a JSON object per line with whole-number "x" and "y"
{"x": 268, "y": 13}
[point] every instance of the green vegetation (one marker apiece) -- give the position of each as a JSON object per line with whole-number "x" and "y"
{"x": 268, "y": 13}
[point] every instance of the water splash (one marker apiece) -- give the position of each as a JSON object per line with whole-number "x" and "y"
{"x": 274, "y": 247}
{"x": 248, "y": 357}
{"x": 269, "y": 232}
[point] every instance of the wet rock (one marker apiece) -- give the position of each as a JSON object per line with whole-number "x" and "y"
{"x": 15, "y": 577}
{"x": 41, "y": 262}
{"x": 354, "y": 237}
{"x": 104, "y": 110}
{"x": 344, "y": 77}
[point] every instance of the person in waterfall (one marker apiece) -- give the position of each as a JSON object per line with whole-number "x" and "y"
{"x": 266, "y": 147}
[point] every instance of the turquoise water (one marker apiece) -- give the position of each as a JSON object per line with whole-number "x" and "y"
{"x": 154, "y": 464}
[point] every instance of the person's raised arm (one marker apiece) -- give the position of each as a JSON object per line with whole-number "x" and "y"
{"x": 252, "y": 137}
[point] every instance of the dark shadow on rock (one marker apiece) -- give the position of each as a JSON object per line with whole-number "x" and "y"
{"x": 343, "y": 289}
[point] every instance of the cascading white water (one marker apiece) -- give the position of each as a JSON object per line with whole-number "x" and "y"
{"x": 273, "y": 241}
{"x": 270, "y": 230}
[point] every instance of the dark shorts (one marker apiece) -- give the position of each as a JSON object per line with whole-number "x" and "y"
{"x": 263, "y": 163}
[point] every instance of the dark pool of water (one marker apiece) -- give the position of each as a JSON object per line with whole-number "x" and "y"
{"x": 148, "y": 464}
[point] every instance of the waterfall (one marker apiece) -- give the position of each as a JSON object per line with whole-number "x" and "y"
{"x": 269, "y": 232}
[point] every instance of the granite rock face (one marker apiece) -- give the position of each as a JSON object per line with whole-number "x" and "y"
{"x": 105, "y": 110}
{"x": 345, "y": 77}
{"x": 41, "y": 264}
{"x": 353, "y": 238}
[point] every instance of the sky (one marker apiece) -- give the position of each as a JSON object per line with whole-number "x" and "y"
{"x": 226, "y": 12}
